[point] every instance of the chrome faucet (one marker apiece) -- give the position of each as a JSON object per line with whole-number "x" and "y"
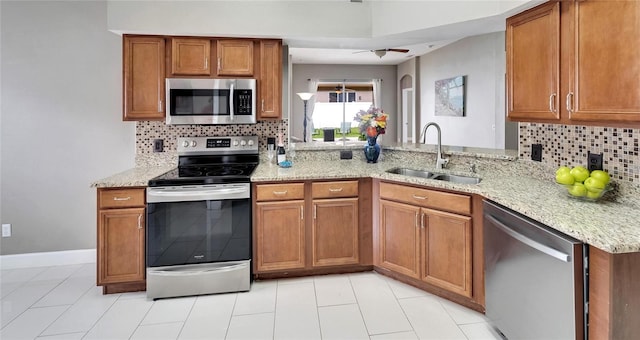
{"x": 441, "y": 163}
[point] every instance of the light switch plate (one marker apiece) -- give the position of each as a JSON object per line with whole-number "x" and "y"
{"x": 6, "y": 230}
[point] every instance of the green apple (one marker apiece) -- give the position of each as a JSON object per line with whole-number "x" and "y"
{"x": 579, "y": 173}
{"x": 564, "y": 178}
{"x": 578, "y": 190}
{"x": 593, "y": 184}
{"x": 593, "y": 194}
{"x": 563, "y": 169}
{"x": 603, "y": 176}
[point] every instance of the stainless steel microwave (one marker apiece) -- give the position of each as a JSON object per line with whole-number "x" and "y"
{"x": 210, "y": 101}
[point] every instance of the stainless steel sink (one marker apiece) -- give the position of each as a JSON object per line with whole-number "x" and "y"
{"x": 411, "y": 172}
{"x": 435, "y": 175}
{"x": 457, "y": 179}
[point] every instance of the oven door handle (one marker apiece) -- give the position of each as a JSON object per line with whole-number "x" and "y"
{"x": 197, "y": 272}
{"x": 160, "y": 196}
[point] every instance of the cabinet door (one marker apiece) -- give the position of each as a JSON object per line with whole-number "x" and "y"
{"x": 605, "y": 66}
{"x": 121, "y": 255}
{"x": 235, "y": 57}
{"x": 190, "y": 56}
{"x": 335, "y": 232}
{"x": 399, "y": 238}
{"x": 143, "y": 64}
{"x": 533, "y": 60}
{"x": 280, "y": 235}
{"x": 270, "y": 80}
{"x": 446, "y": 251}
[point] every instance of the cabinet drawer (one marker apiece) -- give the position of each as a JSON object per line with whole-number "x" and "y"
{"x": 335, "y": 189}
{"x": 280, "y": 192}
{"x": 427, "y": 198}
{"x": 120, "y": 198}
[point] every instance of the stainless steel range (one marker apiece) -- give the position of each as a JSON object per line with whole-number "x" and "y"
{"x": 199, "y": 219}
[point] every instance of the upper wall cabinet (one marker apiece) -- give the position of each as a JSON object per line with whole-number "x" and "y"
{"x": 575, "y": 63}
{"x": 190, "y": 56}
{"x": 235, "y": 57}
{"x": 270, "y": 80}
{"x": 143, "y": 78}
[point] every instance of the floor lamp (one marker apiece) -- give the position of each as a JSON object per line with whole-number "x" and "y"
{"x": 305, "y": 96}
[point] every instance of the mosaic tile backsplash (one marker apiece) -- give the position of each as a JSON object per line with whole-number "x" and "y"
{"x": 147, "y": 131}
{"x": 570, "y": 144}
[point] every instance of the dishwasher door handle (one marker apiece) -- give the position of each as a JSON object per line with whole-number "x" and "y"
{"x": 531, "y": 243}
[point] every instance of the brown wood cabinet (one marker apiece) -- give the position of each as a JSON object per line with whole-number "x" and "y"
{"x": 304, "y": 228}
{"x": 143, "y": 77}
{"x": 575, "y": 62}
{"x": 280, "y": 235}
{"x": 235, "y": 57}
{"x": 190, "y": 56}
{"x": 420, "y": 242}
{"x": 334, "y": 229}
{"x": 270, "y": 80}
{"x": 121, "y": 239}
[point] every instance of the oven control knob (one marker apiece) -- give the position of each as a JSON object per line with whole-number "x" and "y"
{"x": 185, "y": 143}
{"x": 243, "y": 142}
{"x": 194, "y": 143}
{"x": 250, "y": 142}
{"x": 235, "y": 143}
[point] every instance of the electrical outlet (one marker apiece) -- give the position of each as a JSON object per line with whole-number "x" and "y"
{"x": 594, "y": 161}
{"x": 6, "y": 230}
{"x": 536, "y": 152}
{"x": 158, "y": 145}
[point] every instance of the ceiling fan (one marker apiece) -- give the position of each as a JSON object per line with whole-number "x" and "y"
{"x": 383, "y": 51}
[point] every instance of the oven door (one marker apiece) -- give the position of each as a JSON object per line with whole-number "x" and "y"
{"x": 198, "y": 224}
{"x": 210, "y": 101}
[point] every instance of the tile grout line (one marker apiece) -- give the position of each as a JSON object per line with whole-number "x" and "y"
{"x": 315, "y": 296}
{"x": 235, "y": 302}
{"x": 400, "y": 305}
{"x": 358, "y": 304}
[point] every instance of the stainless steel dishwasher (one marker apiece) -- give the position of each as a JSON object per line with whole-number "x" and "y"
{"x": 535, "y": 278}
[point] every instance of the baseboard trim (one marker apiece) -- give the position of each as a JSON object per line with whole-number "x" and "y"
{"x": 44, "y": 259}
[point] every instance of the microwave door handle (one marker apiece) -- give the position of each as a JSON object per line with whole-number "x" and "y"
{"x": 231, "y": 105}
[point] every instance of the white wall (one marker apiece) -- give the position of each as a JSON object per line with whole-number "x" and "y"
{"x": 482, "y": 60}
{"x": 302, "y": 72}
{"x": 61, "y": 126}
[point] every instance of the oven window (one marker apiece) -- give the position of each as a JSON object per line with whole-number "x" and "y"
{"x": 199, "y": 102}
{"x": 198, "y": 232}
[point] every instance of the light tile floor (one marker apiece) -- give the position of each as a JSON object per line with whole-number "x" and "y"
{"x": 63, "y": 302}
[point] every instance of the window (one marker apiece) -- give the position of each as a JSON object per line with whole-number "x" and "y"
{"x": 336, "y": 97}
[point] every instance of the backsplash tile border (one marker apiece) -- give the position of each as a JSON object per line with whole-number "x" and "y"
{"x": 570, "y": 144}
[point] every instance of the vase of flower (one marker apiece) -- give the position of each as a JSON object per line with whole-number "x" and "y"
{"x": 372, "y": 123}
{"x": 372, "y": 149}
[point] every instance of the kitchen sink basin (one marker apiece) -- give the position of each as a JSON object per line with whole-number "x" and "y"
{"x": 434, "y": 175}
{"x": 412, "y": 172}
{"x": 457, "y": 179}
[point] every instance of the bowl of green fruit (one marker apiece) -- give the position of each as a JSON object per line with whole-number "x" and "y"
{"x": 582, "y": 184}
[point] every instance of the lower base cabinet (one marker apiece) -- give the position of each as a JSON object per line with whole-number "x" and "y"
{"x": 306, "y": 228}
{"x": 426, "y": 235}
{"x": 121, "y": 239}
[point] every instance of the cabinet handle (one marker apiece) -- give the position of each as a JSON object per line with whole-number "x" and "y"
{"x": 263, "y": 105}
{"x": 301, "y": 213}
{"x": 140, "y": 221}
{"x": 159, "y": 105}
{"x": 569, "y": 100}
{"x": 419, "y": 197}
{"x": 416, "y": 220}
{"x": 552, "y": 103}
{"x": 335, "y": 190}
{"x": 280, "y": 192}
{"x": 315, "y": 209}
{"x": 218, "y": 64}
{"x": 122, "y": 198}
{"x": 206, "y": 62}
{"x": 422, "y": 221}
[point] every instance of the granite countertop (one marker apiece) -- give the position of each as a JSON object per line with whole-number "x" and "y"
{"x": 610, "y": 226}
{"x": 134, "y": 177}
